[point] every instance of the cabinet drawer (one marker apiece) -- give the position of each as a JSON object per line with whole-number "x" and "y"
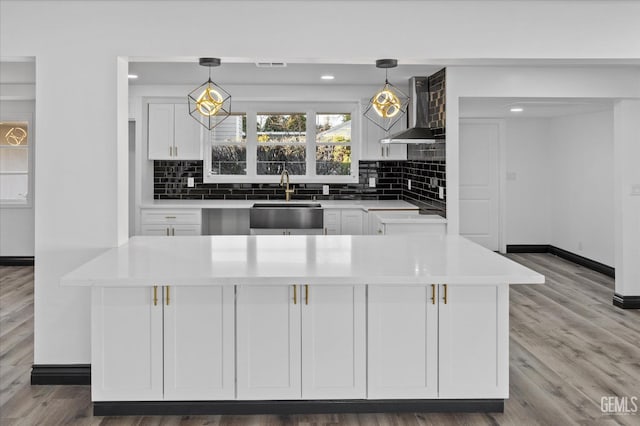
{"x": 165, "y": 217}
{"x": 170, "y": 230}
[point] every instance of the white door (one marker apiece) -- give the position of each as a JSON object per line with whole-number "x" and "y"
{"x": 199, "y": 358}
{"x": 187, "y": 134}
{"x": 474, "y": 341}
{"x": 403, "y": 342}
{"x": 126, "y": 344}
{"x": 333, "y": 342}
{"x": 479, "y": 179}
{"x": 268, "y": 342}
{"x": 160, "y": 131}
{"x": 351, "y": 222}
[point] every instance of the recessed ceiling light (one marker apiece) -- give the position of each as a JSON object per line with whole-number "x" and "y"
{"x": 133, "y": 76}
{"x": 516, "y": 109}
{"x": 327, "y": 77}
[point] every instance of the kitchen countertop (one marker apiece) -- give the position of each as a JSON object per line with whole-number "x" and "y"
{"x": 408, "y": 217}
{"x": 304, "y": 259}
{"x": 365, "y": 205}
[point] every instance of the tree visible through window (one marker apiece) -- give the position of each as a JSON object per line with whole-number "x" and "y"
{"x": 281, "y": 143}
{"x": 333, "y": 144}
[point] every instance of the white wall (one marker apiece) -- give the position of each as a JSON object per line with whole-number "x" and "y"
{"x": 81, "y": 208}
{"x": 582, "y": 203}
{"x": 529, "y": 178}
{"x": 17, "y": 222}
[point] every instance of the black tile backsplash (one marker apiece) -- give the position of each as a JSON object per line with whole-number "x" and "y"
{"x": 170, "y": 183}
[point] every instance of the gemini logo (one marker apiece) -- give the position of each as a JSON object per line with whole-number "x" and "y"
{"x": 620, "y": 405}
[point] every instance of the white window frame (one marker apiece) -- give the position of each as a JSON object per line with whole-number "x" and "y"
{"x": 252, "y": 109}
{"x": 20, "y": 116}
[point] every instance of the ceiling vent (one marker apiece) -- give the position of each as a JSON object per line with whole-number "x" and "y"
{"x": 271, "y": 64}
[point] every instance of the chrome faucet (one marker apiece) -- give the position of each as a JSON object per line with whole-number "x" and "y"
{"x": 287, "y": 191}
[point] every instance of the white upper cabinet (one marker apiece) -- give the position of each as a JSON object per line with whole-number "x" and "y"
{"x": 160, "y": 131}
{"x": 173, "y": 134}
{"x": 474, "y": 341}
{"x": 403, "y": 342}
{"x": 372, "y": 149}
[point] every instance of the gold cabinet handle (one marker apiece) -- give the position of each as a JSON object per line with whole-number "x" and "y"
{"x": 382, "y": 151}
{"x": 155, "y": 295}
{"x": 167, "y": 231}
{"x": 445, "y": 294}
{"x": 295, "y": 294}
{"x": 433, "y": 294}
{"x": 175, "y": 151}
{"x": 173, "y": 231}
{"x": 167, "y": 287}
{"x": 306, "y": 294}
{"x": 169, "y": 217}
{"x": 170, "y": 152}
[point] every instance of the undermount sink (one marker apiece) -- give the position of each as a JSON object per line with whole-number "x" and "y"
{"x": 286, "y": 215}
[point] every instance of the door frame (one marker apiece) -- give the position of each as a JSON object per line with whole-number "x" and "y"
{"x": 502, "y": 174}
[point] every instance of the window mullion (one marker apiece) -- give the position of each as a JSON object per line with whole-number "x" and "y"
{"x": 252, "y": 145}
{"x": 311, "y": 144}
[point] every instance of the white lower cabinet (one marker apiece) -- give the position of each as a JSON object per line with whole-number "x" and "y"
{"x": 166, "y": 223}
{"x": 403, "y": 342}
{"x": 474, "y": 341}
{"x": 301, "y": 342}
{"x": 126, "y": 345}
{"x": 162, "y": 343}
{"x": 199, "y": 358}
{"x": 343, "y": 222}
{"x": 268, "y": 342}
{"x": 448, "y": 342}
{"x": 334, "y": 348}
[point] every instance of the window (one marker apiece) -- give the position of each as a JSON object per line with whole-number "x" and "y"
{"x": 333, "y": 144}
{"x": 14, "y": 162}
{"x": 228, "y": 142}
{"x": 281, "y": 143}
{"x": 312, "y": 141}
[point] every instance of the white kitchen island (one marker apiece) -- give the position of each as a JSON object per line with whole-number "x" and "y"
{"x": 298, "y": 324}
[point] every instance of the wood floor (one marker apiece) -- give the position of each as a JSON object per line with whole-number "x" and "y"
{"x": 569, "y": 348}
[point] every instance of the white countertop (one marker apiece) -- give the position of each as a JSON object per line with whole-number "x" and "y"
{"x": 304, "y": 259}
{"x": 408, "y": 217}
{"x": 366, "y": 205}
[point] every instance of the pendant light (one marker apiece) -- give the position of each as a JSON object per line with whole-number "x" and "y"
{"x": 209, "y": 104}
{"x": 389, "y": 104}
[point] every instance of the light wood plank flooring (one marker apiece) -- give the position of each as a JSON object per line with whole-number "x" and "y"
{"x": 569, "y": 347}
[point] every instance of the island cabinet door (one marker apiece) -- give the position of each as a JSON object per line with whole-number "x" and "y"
{"x": 126, "y": 344}
{"x": 474, "y": 341}
{"x": 333, "y": 342}
{"x": 403, "y": 341}
{"x": 268, "y": 342}
{"x": 199, "y": 343}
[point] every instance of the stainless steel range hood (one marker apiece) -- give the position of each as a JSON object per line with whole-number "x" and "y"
{"x": 418, "y": 131}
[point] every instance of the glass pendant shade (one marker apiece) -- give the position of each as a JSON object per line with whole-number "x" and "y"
{"x": 389, "y": 104}
{"x": 209, "y": 104}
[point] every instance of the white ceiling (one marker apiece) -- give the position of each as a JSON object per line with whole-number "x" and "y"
{"x": 185, "y": 73}
{"x": 190, "y": 73}
{"x": 532, "y": 107}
